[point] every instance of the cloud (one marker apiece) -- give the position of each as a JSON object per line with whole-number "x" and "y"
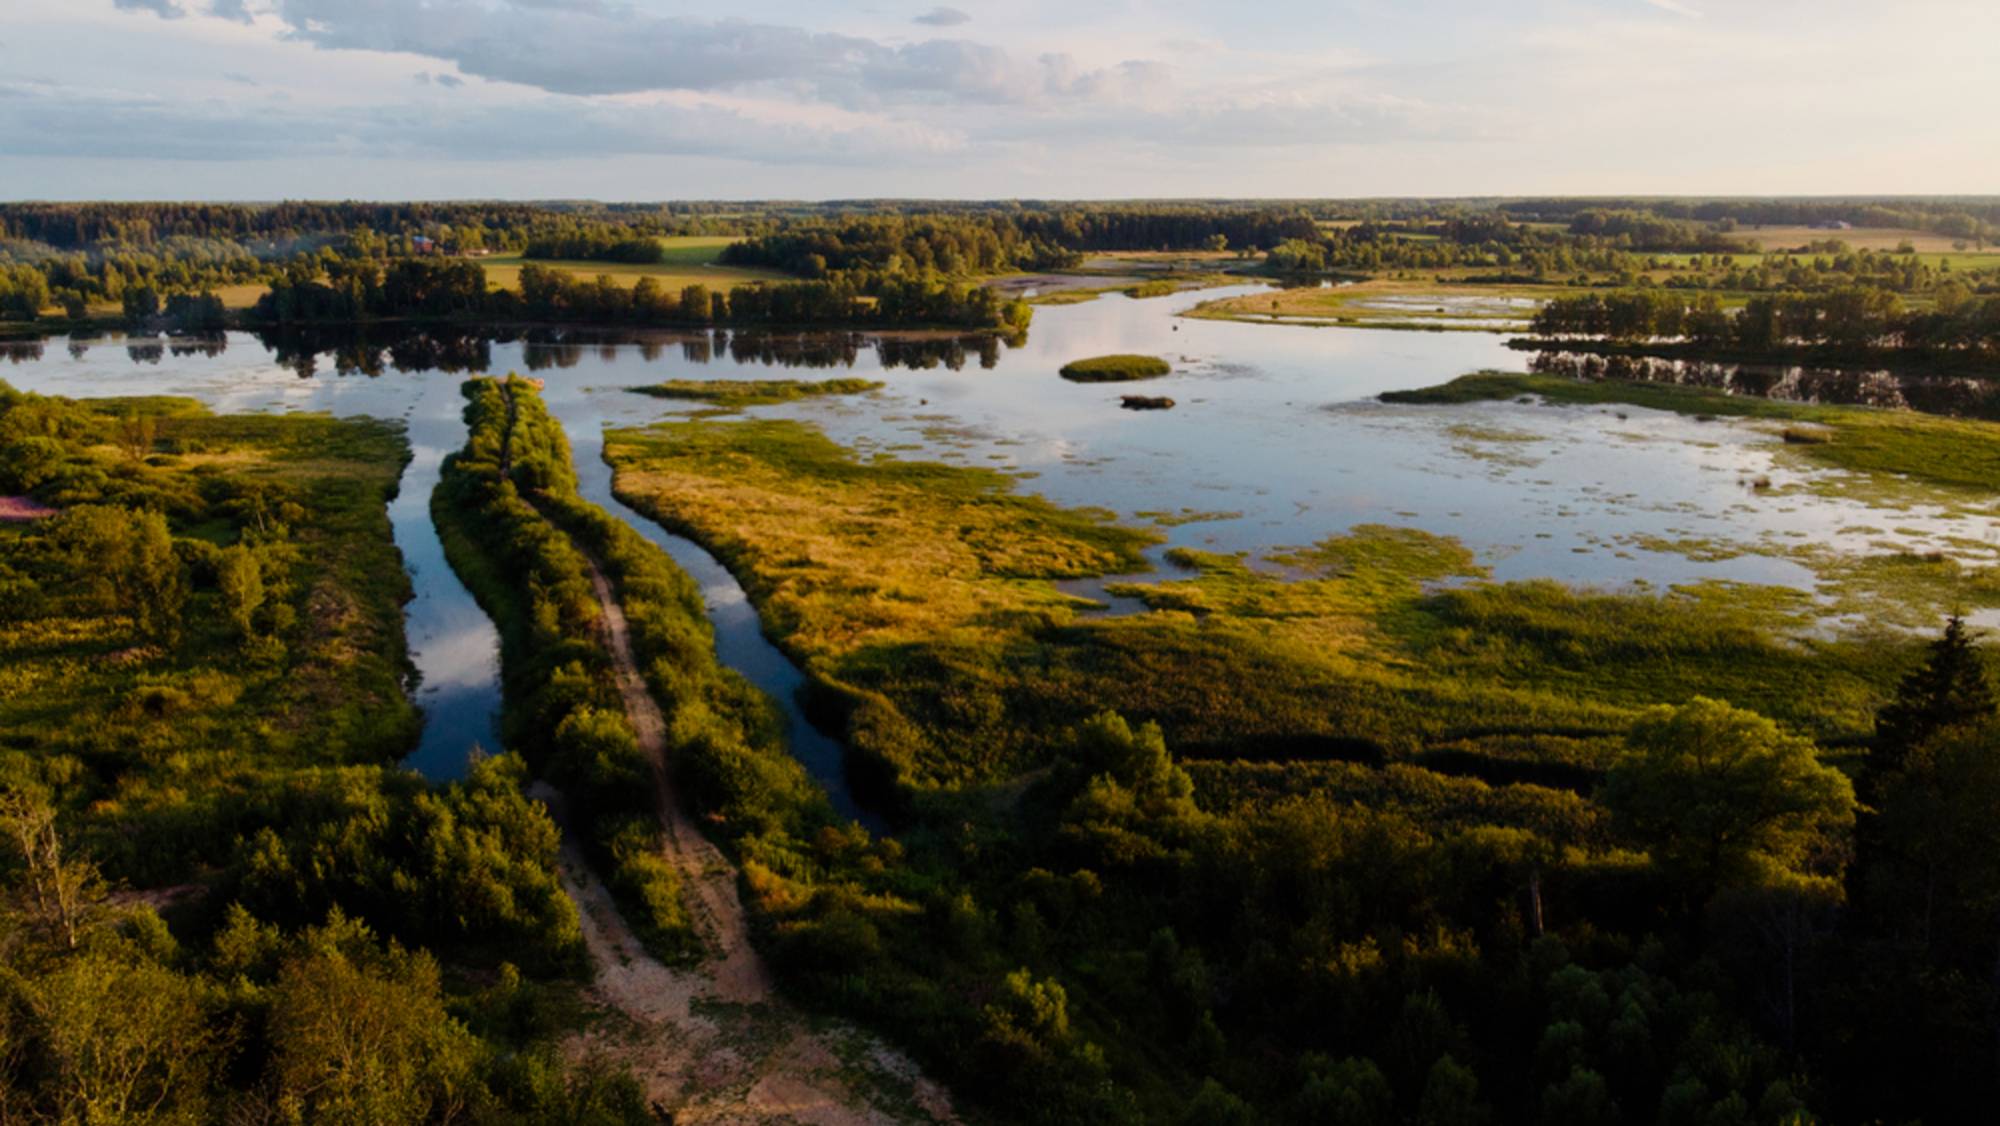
{"x": 165, "y": 9}
{"x": 1676, "y": 7}
{"x": 236, "y": 10}
{"x": 450, "y": 81}
{"x": 943, "y": 17}
{"x": 73, "y": 123}
{"x": 241, "y": 79}
{"x": 595, "y": 48}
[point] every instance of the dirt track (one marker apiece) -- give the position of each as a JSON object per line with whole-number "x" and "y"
{"x": 712, "y": 1043}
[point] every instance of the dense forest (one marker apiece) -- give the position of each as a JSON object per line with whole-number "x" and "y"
{"x": 69, "y": 263}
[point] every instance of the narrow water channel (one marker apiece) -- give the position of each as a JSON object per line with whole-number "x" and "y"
{"x": 739, "y": 635}
{"x": 1277, "y": 441}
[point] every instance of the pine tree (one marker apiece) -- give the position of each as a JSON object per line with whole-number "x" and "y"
{"x": 1950, "y": 690}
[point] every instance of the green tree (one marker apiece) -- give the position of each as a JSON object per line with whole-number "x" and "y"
{"x": 128, "y": 1041}
{"x": 1940, "y": 879}
{"x": 360, "y": 1034}
{"x": 57, "y": 894}
{"x": 1722, "y": 798}
{"x": 1352, "y": 1092}
{"x": 240, "y": 577}
{"x": 1451, "y": 1096}
{"x": 156, "y": 581}
{"x": 1950, "y": 689}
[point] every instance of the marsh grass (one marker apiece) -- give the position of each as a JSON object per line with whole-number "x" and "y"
{"x": 1957, "y": 454}
{"x": 1118, "y": 368}
{"x": 734, "y": 393}
{"x": 923, "y": 592}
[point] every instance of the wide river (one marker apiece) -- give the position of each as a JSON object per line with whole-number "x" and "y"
{"x": 1276, "y": 440}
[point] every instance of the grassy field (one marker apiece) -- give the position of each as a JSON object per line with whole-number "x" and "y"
{"x": 1860, "y": 238}
{"x": 690, "y": 260}
{"x": 925, "y": 592}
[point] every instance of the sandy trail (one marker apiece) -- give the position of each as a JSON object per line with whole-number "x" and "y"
{"x": 713, "y": 1043}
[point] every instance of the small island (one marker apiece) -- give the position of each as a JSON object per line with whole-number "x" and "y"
{"x": 755, "y": 392}
{"x": 1115, "y": 369}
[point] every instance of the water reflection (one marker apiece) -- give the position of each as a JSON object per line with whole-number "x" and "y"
{"x": 375, "y": 349}
{"x": 1932, "y": 394}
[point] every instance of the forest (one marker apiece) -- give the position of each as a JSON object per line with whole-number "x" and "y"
{"x": 190, "y": 266}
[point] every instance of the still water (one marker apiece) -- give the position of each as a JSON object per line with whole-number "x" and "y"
{"x": 1276, "y": 440}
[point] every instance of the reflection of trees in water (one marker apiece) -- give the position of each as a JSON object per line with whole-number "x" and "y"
{"x": 371, "y": 350}
{"x": 1946, "y": 395}
{"x": 209, "y": 344}
{"x": 24, "y": 351}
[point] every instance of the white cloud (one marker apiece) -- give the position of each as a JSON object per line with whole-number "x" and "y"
{"x": 943, "y": 17}
{"x": 165, "y": 9}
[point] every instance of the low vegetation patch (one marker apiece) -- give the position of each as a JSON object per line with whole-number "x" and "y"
{"x": 1115, "y": 369}
{"x": 755, "y": 392}
{"x": 1956, "y": 454}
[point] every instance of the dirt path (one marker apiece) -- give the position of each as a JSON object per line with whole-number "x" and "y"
{"x": 712, "y": 1043}
{"x": 709, "y": 878}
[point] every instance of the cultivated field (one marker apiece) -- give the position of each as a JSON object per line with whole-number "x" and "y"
{"x": 690, "y": 260}
{"x": 1860, "y": 238}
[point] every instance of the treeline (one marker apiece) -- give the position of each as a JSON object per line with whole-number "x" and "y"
{"x": 595, "y": 242}
{"x": 985, "y": 243}
{"x": 1966, "y": 217}
{"x": 1645, "y": 230}
{"x": 456, "y": 289}
{"x": 1852, "y": 321}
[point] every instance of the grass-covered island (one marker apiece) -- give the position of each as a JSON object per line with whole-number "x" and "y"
{"x": 1120, "y": 368}
{"x": 754, "y": 392}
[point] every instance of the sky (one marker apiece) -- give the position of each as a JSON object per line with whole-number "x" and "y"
{"x": 1047, "y": 99}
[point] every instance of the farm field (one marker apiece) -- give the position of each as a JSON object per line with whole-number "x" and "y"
{"x": 1860, "y": 238}
{"x": 690, "y": 260}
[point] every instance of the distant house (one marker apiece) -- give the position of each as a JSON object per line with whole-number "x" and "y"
{"x": 1833, "y": 225}
{"x": 423, "y": 245}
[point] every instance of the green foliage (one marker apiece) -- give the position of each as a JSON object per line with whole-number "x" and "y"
{"x": 754, "y": 392}
{"x": 1115, "y": 369}
{"x": 1950, "y": 689}
{"x": 1722, "y": 798}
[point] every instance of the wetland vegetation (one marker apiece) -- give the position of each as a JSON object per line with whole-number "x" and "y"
{"x": 1122, "y": 368}
{"x": 1306, "y": 809}
{"x": 218, "y": 881}
{"x": 1370, "y": 684}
